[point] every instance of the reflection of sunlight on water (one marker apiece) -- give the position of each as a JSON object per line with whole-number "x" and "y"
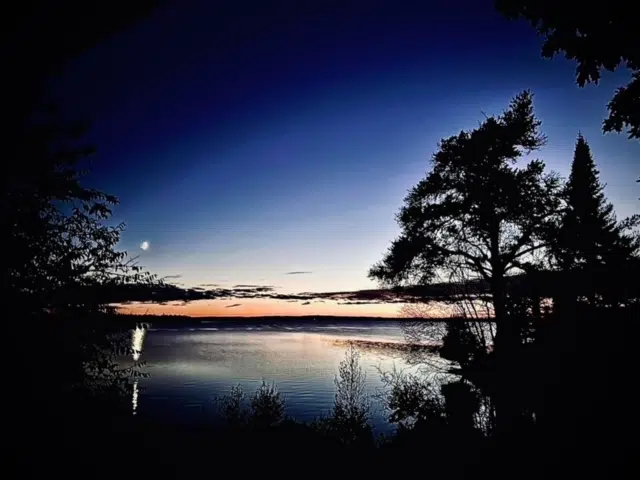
{"x": 191, "y": 365}
{"x": 134, "y": 397}
{"x": 137, "y": 340}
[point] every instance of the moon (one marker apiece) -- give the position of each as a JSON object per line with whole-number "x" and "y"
{"x": 144, "y": 245}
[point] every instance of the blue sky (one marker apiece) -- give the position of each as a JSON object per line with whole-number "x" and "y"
{"x": 247, "y": 145}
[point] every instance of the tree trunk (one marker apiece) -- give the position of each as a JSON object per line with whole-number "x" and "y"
{"x": 503, "y": 377}
{"x": 507, "y": 337}
{"x": 506, "y": 370}
{"x": 504, "y": 326}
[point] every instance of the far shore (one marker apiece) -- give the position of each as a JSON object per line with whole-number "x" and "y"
{"x": 177, "y": 320}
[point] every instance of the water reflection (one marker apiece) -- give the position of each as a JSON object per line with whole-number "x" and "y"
{"x": 190, "y": 366}
{"x": 134, "y": 397}
{"x": 137, "y": 340}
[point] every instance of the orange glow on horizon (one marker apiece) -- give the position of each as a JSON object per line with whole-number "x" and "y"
{"x": 261, "y": 308}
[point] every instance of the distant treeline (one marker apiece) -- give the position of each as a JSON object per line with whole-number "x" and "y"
{"x": 133, "y": 319}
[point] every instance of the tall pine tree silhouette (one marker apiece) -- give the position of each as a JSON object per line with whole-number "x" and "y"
{"x": 591, "y": 242}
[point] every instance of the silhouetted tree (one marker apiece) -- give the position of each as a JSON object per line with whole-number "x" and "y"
{"x": 590, "y": 239}
{"x": 267, "y": 406}
{"x": 461, "y": 343}
{"x": 467, "y": 335}
{"x": 62, "y": 255}
{"x": 461, "y": 405}
{"x": 60, "y": 252}
{"x": 412, "y": 399}
{"x": 598, "y": 36}
{"x": 476, "y": 210}
{"x": 231, "y": 408}
{"x": 40, "y": 38}
{"x": 348, "y": 421}
{"x": 52, "y": 224}
{"x": 419, "y": 328}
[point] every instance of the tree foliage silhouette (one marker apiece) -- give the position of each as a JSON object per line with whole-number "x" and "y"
{"x": 41, "y": 38}
{"x": 349, "y": 418}
{"x": 53, "y": 225}
{"x": 267, "y": 405}
{"x": 598, "y": 36}
{"x": 61, "y": 252}
{"x": 590, "y": 239}
{"x": 63, "y": 260}
{"x": 477, "y": 210}
{"x": 590, "y": 232}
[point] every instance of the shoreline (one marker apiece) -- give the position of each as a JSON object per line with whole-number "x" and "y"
{"x": 318, "y": 319}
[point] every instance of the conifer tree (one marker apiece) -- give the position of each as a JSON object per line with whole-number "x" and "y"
{"x": 591, "y": 242}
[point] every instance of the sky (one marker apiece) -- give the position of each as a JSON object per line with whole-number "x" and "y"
{"x": 246, "y": 144}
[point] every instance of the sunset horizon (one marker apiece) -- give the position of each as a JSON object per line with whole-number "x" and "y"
{"x": 261, "y": 308}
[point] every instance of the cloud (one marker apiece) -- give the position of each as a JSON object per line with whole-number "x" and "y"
{"x": 357, "y": 303}
{"x": 234, "y": 305}
{"x": 173, "y": 293}
{"x": 125, "y": 294}
{"x": 301, "y": 272}
{"x": 306, "y": 303}
{"x": 170, "y": 277}
{"x": 254, "y": 288}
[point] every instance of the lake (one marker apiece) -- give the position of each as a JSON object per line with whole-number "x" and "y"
{"x": 190, "y": 365}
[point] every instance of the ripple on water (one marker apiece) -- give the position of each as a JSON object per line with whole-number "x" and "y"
{"x": 192, "y": 366}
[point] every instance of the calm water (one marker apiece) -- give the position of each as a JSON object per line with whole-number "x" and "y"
{"x": 189, "y": 366}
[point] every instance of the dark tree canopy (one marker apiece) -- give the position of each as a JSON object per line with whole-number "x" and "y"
{"x": 60, "y": 252}
{"x": 40, "y": 37}
{"x": 477, "y": 209}
{"x": 52, "y": 224}
{"x": 60, "y": 247}
{"x": 599, "y": 36}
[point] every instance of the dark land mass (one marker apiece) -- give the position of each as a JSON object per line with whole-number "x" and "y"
{"x": 388, "y": 346}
